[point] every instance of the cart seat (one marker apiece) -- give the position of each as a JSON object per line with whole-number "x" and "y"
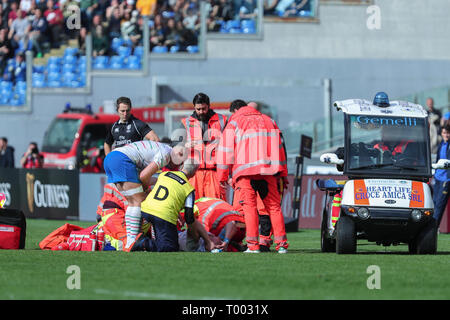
{"x": 330, "y": 184}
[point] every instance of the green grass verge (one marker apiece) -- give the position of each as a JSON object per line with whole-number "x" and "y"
{"x": 303, "y": 273}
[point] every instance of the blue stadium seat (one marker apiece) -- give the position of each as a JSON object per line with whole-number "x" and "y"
{"x": 174, "y": 49}
{"x": 81, "y": 73}
{"x": 38, "y": 80}
{"x": 133, "y": 62}
{"x": 133, "y": 59}
{"x": 69, "y": 51}
{"x": 222, "y": 28}
{"x": 81, "y": 66}
{"x": 20, "y": 87}
{"x": 22, "y": 97}
{"x": 52, "y": 76}
{"x": 38, "y": 69}
{"x": 160, "y": 49}
{"x": 233, "y": 26}
{"x": 138, "y": 51}
{"x": 53, "y": 67}
{"x": 116, "y": 43}
{"x": 82, "y": 80}
{"x": 248, "y": 26}
{"x": 82, "y": 60}
{"x": 54, "y": 83}
{"x": 305, "y": 13}
{"x": 192, "y": 49}
{"x": 133, "y": 66}
{"x": 7, "y": 94}
{"x": 116, "y": 62}
{"x": 100, "y": 62}
{"x": 69, "y": 59}
{"x": 76, "y": 84}
{"x": 127, "y": 43}
{"x": 54, "y": 60}
{"x": 67, "y": 78}
{"x": 70, "y": 80}
{"x": 17, "y": 100}
{"x": 4, "y": 99}
{"x": 6, "y": 86}
{"x": 67, "y": 67}
{"x": 124, "y": 51}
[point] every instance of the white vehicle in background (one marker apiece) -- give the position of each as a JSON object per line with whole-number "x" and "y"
{"x": 387, "y": 162}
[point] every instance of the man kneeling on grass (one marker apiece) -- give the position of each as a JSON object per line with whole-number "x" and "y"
{"x": 170, "y": 194}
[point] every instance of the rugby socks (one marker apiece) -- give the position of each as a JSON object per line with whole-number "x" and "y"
{"x": 132, "y": 224}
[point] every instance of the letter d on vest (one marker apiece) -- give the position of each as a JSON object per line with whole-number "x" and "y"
{"x": 164, "y": 195}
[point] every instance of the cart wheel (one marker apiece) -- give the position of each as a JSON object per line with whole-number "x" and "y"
{"x": 326, "y": 244}
{"x": 426, "y": 241}
{"x": 412, "y": 247}
{"x": 345, "y": 236}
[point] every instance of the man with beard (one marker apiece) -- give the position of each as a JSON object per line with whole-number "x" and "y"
{"x": 203, "y": 130}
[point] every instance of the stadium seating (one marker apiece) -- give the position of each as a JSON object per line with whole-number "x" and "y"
{"x": 54, "y": 60}
{"x": 124, "y": 51}
{"x": 116, "y": 62}
{"x": 70, "y": 51}
{"x": 69, "y": 59}
{"x": 4, "y": 99}
{"x": 116, "y": 43}
{"x": 138, "y": 51}
{"x": 53, "y": 67}
{"x": 39, "y": 68}
{"x": 100, "y": 62}
{"x": 174, "y": 49}
{"x": 68, "y": 67}
{"x": 133, "y": 62}
{"x": 233, "y": 26}
{"x": 5, "y": 91}
{"x": 248, "y": 26}
{"x": 20, "y": 87}
{"x": 6, "y": 86}
{"x": 160, "y": 49}
{"x": 38, "y": 80}
{"x": 192, "y": 49}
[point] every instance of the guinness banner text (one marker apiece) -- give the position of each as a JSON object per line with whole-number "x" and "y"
{"x": 42, "y": 193}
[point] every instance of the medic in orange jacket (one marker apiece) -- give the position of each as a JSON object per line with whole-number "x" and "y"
{"x": 251, "y": 148}
{"x": 203, "y": 130}
{"x": 111, "y": 199}
{"x": 221, "y": 219}
{"x": 395, "y": 150}
{"x": 218, "y": 216}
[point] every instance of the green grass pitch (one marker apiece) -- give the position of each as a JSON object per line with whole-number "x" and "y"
{"x": 303, "y": 273}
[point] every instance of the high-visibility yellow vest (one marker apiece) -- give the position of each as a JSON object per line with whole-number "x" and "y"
{"x": 168, "y": 196}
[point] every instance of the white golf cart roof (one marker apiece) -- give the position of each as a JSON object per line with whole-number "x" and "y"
{"x": 365, "y": 107}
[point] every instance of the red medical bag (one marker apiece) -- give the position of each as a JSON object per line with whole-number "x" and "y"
{"x": 12, "y": 229}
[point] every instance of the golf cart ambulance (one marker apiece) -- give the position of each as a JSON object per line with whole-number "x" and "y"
{"x": 387, "y": 161}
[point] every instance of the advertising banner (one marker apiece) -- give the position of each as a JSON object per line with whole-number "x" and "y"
{"x": 42, "y": 193}
{"x": 10, "y": 187}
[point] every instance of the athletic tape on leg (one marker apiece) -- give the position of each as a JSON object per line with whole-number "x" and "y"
{"x": 132, "y": 192}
